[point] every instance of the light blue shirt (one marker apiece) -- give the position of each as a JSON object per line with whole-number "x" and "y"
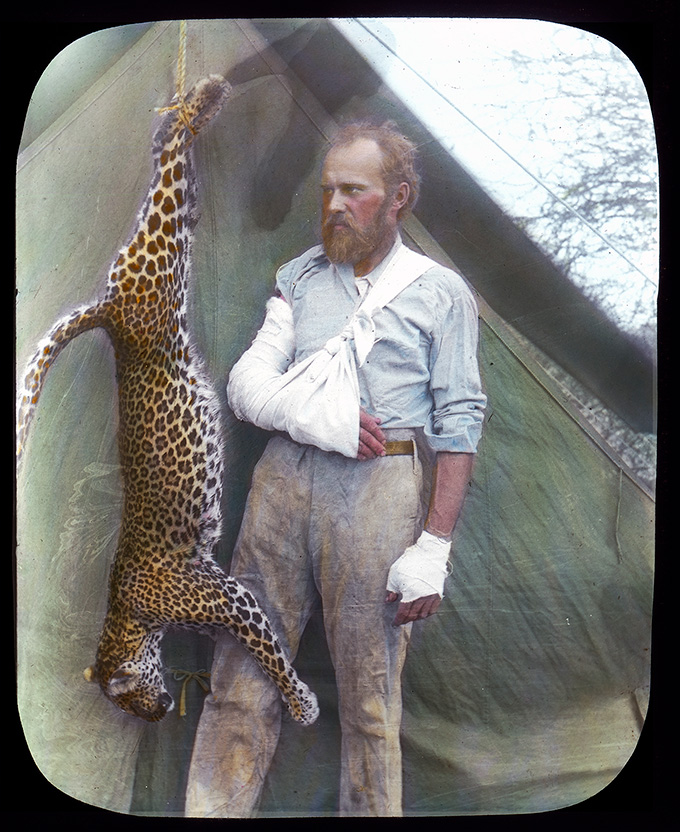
{"x": 422, "y": 371}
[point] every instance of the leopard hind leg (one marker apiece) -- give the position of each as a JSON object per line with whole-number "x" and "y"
{"x": 226, "y": 604}
{"x": 250, "y": 625}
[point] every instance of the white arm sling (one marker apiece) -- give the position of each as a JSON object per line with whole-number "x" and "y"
{"x": 316, "y": 402}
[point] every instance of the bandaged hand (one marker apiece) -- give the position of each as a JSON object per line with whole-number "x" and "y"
{"x": 418, "y": 577}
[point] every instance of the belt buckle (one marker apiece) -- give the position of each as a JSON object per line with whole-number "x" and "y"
{"x": 399, "y": 447}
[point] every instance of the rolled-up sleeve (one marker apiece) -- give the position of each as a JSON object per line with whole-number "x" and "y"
{"x": 457, "y": 417}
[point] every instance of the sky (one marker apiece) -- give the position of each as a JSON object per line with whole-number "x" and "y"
{"x": 530, "y": 136}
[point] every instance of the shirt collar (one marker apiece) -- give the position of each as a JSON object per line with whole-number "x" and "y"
{"x": 373, "y": 276}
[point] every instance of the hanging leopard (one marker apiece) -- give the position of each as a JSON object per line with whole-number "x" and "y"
{"x": 171, "y": 456}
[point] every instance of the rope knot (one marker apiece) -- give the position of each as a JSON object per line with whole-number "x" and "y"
{"x": 185, "y": 676}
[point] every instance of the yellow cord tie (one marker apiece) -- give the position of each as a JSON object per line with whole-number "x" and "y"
{"x": 185, "y": 676}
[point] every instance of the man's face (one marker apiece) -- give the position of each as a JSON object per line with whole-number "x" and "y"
{"x": 356, "y": 216}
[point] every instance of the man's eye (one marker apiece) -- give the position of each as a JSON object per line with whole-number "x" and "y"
{"x": 327, "y": 191}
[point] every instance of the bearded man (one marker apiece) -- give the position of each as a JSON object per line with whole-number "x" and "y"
{"x": 367, "y": 532}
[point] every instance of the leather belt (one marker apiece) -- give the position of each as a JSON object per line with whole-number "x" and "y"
{"x": 400, "y": 447}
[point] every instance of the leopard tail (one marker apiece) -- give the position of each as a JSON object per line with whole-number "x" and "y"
{"x": 80, "y": 320}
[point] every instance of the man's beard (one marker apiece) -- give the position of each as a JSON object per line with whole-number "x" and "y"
{"x": 350, "y": 244}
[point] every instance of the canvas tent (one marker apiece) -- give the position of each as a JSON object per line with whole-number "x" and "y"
{"x": 528, "y": 690}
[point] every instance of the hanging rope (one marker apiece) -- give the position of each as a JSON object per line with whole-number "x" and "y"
{"x": 182, "y": 60}
{"x": 180, "y": 80}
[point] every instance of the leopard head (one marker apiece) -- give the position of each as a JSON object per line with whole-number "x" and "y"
{"x": 134, "y": 685}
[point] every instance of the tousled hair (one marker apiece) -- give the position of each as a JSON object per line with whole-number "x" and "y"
{"x": 399, "y": 156}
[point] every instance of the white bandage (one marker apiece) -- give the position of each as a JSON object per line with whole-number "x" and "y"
{"x": 260, "y": 367}
{"x": 315, "y": 402}
{"x": 421, "y": 570}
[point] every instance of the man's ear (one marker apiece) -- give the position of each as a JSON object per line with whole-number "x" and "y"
{"x": 90, "y": 674}
{"x": 401, "y": 196}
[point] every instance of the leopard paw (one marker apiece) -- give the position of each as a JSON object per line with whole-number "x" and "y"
{"x": 303, "y": 705}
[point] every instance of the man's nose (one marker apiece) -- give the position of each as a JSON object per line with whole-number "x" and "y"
{"x": 336, "y": 204}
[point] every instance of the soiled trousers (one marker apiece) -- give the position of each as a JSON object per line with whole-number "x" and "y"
{"x": 316, "y": 524}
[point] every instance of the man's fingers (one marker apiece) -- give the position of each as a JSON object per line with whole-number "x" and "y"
{"x": 369, "y": 446}
{"x": 414, "y": 610}
{"x": 403, "y": 615}
{"x": 371, "y": 437}
{"x": 431, "y": 606}
{"x": 370, "y": 432}
{"x": 366, "y": 420}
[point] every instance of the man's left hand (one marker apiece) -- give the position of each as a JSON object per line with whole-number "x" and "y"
{"x": 417, "y": 578}
{"x": 414, "y": 610}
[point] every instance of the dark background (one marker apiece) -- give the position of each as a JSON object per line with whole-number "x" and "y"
{"x": 643, "y": 31}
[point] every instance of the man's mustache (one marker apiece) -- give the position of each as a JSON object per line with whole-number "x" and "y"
{"x": 339, "y": 220}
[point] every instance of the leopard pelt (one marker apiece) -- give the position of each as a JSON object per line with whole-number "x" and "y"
{"x": 169, "y": 435}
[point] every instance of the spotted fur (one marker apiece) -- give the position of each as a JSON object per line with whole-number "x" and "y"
{"x": 171, "y": 457}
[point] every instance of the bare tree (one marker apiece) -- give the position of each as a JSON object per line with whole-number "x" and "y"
{"x": 599, "y": 217}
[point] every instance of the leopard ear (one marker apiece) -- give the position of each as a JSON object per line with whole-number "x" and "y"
{"x": 122, "y": 680}
{"x": 90, "y": 674}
